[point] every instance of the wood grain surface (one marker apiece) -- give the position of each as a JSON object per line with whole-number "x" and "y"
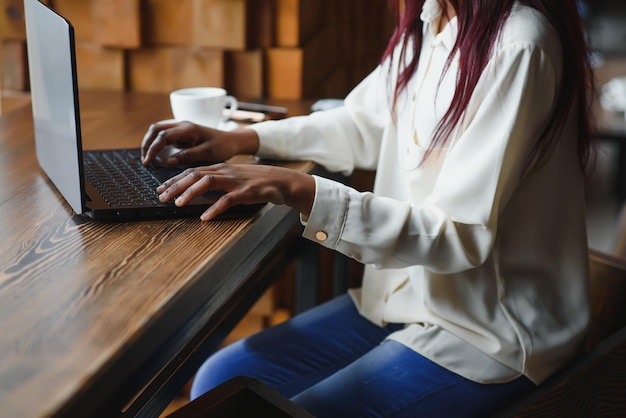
{"x": 84, "y": 304}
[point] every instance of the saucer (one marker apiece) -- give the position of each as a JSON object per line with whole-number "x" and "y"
{"x": 229, "y": 125}
{"x": 223, "y": 126}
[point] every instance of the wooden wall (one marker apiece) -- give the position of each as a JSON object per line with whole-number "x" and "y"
{"x": 283, "y": 49}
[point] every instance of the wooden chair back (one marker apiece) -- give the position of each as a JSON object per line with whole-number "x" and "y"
{"x": 608, "y": 296}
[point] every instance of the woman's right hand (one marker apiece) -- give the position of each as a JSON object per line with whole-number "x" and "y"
{"x": 196, "y": 143}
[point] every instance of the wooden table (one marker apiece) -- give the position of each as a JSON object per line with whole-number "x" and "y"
{"x": 92, "y": 313}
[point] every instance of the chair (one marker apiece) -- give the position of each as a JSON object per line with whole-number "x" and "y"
{"x": 608, "y": 296}
{"x": 620, "y": 241}
{"x": 241, "y": 397}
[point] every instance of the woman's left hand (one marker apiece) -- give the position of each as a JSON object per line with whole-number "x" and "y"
{"x": 243, "y": 184}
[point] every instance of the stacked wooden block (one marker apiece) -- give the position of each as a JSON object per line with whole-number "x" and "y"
{"x": 281, "y": 49}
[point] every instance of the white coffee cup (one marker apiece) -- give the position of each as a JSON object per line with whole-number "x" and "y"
{"x": 207, "y": 106}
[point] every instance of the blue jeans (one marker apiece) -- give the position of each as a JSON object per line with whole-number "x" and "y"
{"x": 330, "y": 360}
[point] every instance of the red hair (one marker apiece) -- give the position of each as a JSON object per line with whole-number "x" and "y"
{"x": 482, "y": 20}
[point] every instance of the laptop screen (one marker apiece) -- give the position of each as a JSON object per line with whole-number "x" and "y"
{"x": 52, "y": 70}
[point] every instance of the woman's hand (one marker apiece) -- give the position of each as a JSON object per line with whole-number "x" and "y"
{"x": 197, "y": 144}
{"x": 243, "y": 184}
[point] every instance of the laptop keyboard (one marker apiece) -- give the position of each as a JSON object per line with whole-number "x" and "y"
{"x": 120, "y": 178}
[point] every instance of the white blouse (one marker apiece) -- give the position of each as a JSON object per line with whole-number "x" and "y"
{"x": 487, "y": 269}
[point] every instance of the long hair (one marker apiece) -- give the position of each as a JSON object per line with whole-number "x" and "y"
{"x": 482, "y": 20}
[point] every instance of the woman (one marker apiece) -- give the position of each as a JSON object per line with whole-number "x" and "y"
{"x": 474, "y": 237}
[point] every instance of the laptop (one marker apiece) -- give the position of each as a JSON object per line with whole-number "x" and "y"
{"x": 100, "y": 184}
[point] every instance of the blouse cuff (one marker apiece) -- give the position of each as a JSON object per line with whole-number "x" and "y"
{"x": 330, "y": 207}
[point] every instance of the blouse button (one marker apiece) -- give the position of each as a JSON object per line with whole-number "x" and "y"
{"x": 321, "y": 236}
